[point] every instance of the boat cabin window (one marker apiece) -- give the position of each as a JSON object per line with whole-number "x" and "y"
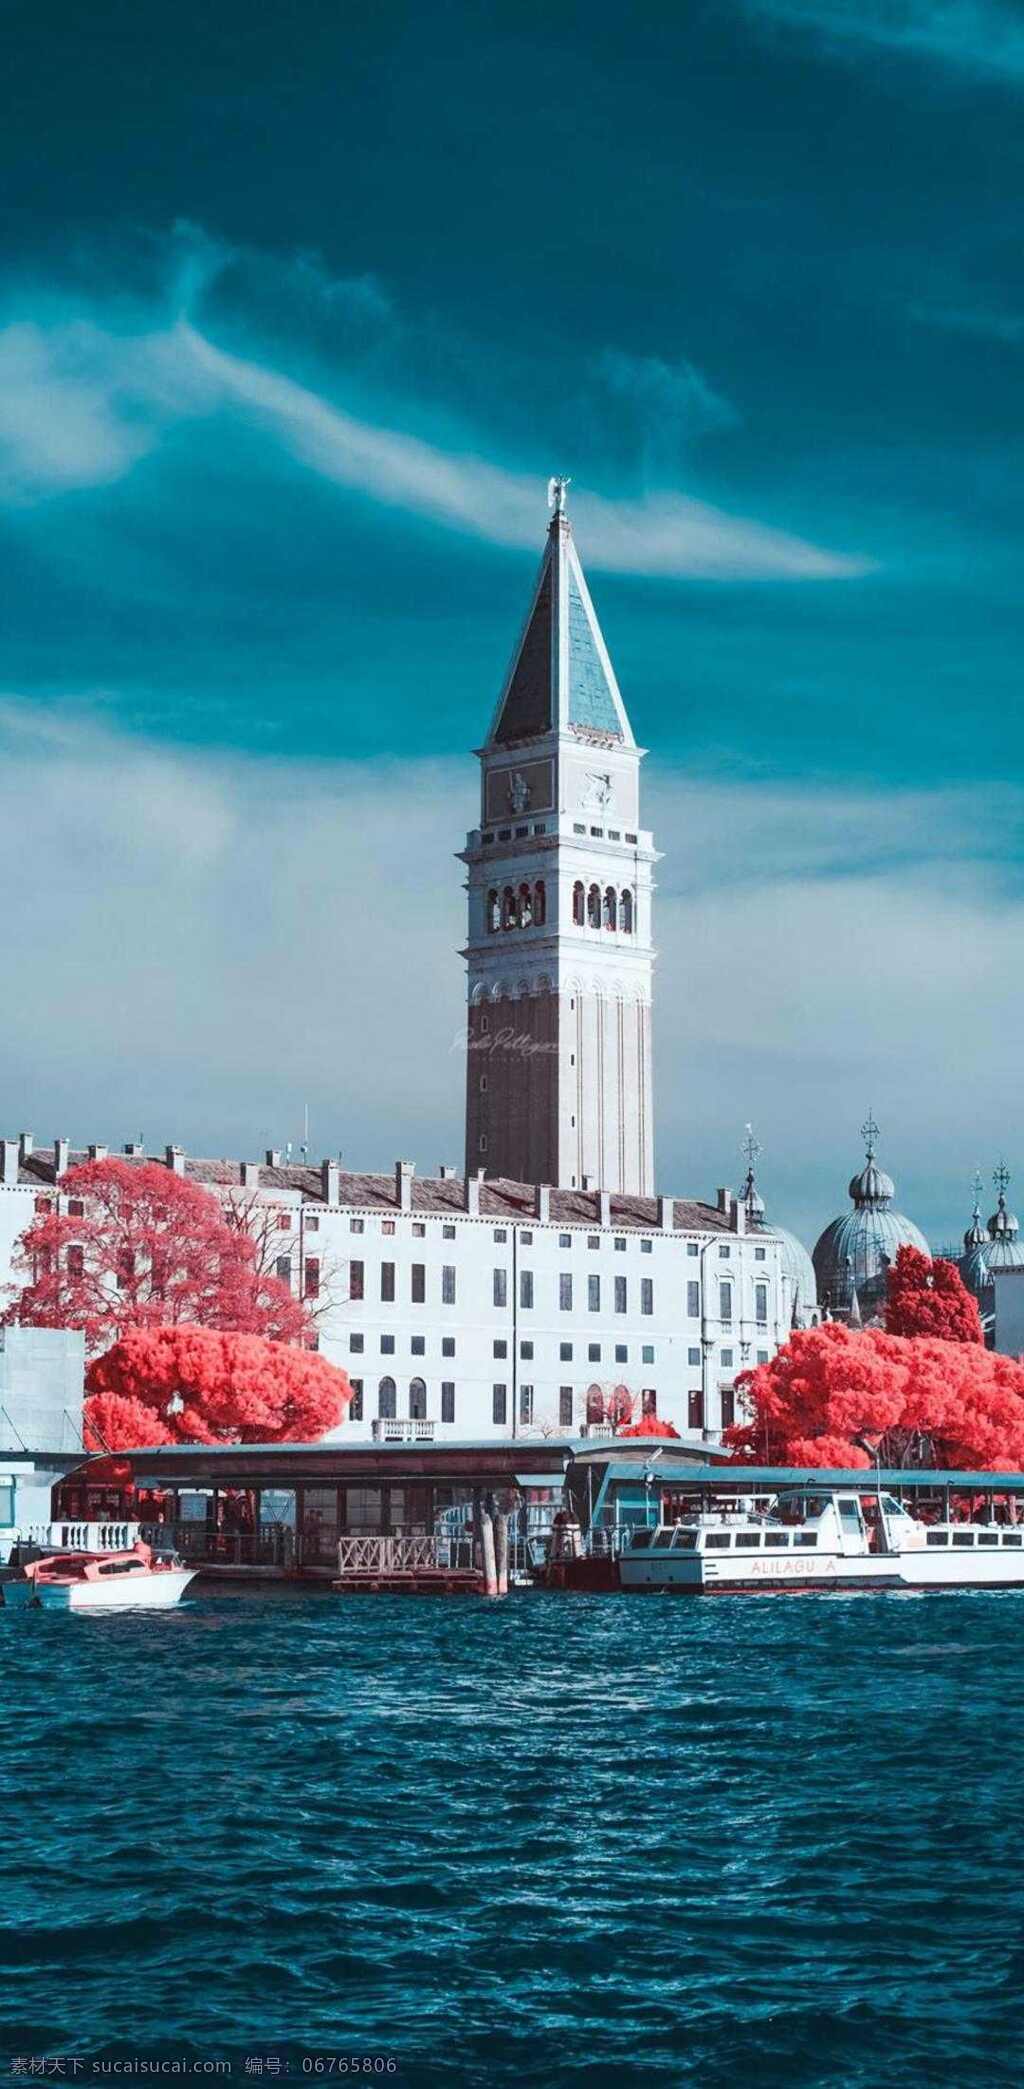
{"x": 938, "y": 1537}
{"x": 1012, "y": 1537}
{"x": 776, "y": 1537}
{"x": 892, "y": 1507}
{"x": 718, "y": 1541}
{"x": 639, "y": 1539}
{"x": 121, "y": 1566}
{"x": 748, "y": 1538}
{"x": 850, "y": 1511}
{"x": 988, "y": 1537}
{"x": 963, "y": 1537}
{"x": 806, "y": 1537}
{"x": 685, "y": 1540}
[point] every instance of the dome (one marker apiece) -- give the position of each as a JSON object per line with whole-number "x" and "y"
{"x": 1005, "y": 1249}
{"x": 854, "y": 1252}
{"x": 973, "y": 1263}
{"x": 794, "y": 1261}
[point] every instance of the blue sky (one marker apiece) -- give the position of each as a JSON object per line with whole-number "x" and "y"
{"x": 298, "y": 315}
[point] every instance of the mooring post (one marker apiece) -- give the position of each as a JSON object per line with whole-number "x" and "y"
{"x": 487, "y": 1546}
{"x": 501, "y": 1548}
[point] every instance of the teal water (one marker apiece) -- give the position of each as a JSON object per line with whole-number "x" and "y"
{"x": 552, "y": 1840}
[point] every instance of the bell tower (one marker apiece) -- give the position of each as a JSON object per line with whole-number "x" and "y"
{"x": 559, "y": 956}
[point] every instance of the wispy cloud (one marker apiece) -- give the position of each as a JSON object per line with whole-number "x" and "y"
{"x": 981, "y": 321}
{"x": 980, "y": 36}
{"x": 169, "y": 908}
{"x": 82, "y": 403}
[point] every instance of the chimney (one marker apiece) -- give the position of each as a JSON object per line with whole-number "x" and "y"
{"x": 250, "y": 1175}
{"x": 724, "y": 1198}
{"x": 273, "y": 1156}
{"x": 133, "y": 1149}
{"x": 98, "y": 1153}
{"x": 666, "y": 1213}
{"x": 604, "y": 1207}
{"x": 471, "y": 1193}
{"x": 61, "y": 1157}
{"x": 25, "y": 1144}
{"x": 738, "y": 1216}
{"x": 586, "y": 1182}
{"x": 447, "y": 1174}
{"x": 174, "y": 1157}
{"x": 541, "y": 1201}
{"x": 9, "y": 1158}
{"x": 404, "y": 1172}
{"x": 330, "y": 1181}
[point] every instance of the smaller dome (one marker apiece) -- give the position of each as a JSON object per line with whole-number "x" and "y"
{"x": 794, "y": 1260}
{"x": 1005, "y": 1250}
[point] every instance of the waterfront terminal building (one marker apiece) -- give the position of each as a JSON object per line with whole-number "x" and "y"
{"x": 520, "y": 1296}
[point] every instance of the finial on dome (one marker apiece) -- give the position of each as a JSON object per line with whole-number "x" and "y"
{"x": 1001, "y": 1178}
{"x": 869, "y": 1133}
{"x": 751, "y": 1149}
{"x": 557, "y": 491}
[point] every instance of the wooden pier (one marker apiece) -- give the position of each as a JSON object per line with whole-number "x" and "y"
{"x": 414, "y": 1566}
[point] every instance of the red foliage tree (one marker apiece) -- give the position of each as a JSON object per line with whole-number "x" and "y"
{"x": 960, "y": 1404}
{"x": 930, "y": 1298}
{"x": 144, "y": 1248}
{"x": 653, "y": 1426}
{"x": 197, "y": 1385}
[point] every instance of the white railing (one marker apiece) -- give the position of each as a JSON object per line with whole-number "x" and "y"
{"x": 83, "y": 1537}
{"x": 403, "y": 1432}
{"x": 594, "y": 1430}
{"x": 393, "y": 1554}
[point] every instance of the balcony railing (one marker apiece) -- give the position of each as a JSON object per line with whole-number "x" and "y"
{"x": 390, "y": 1554}
{"x": 403, "y": 1432}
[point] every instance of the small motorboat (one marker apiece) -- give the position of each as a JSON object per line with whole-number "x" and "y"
{"x": 116, "y": 1571}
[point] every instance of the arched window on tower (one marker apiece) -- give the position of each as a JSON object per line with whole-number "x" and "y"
{"x": 525, "y": 906}
{"x": 595, "y": 1404}
{"x": 540, "y": 904}
{"x": 594, "y": 907}
{"x": 508, "y": 908}
{"x": 579, "y": 905}
{"x": 417, "y": 1400}
{"x": 386, "y": 1407}
{"x": 626, "y": 912}
{"x": 610, "y": 907}
{"x": 493, "y": 911}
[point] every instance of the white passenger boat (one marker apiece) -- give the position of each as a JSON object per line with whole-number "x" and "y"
{"x": 828, "y": 1538}
{"x": 99, "y": 1566}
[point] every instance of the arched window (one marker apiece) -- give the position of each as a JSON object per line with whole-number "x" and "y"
{"x": 525, "y": 906}
{"x": 417, "y": 1400}
{"x": 610, "y": 908}
{"x": 508, "y": 908}
{"x": 579, "y": 905}
{"x": 626, "y": 912}
{"x": 387, "y": 1406}
{"x": 594, "y": 907}
{"x": 595, "y": 1404}
{"x": 540, "y": 903}
{"x": 493, "y": 911}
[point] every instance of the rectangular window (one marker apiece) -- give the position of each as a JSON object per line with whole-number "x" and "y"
{"x": 387, "y": 1283}
{"x": 447, "y": 1233}
{"x": 648, "y": 1402}
{"x": 565, "y": 1407}
{"x": 760, "y": 1254}
{"x": 500, "y": 1348}
{"x": 357, "y": 1225}
{"x": 693, "y": 1301}
{"x": 76, "y": 1262}
{"x": 620, "y": 1294}
{"x": 565, "y": 1291}
{"x": 621, "y": 1353}
{"x": 447, "y": 1399}
{"x": 387, "y": 1225}
{"x": 447, "y": 1345}
{"x": 725, "y": 1360}
{"x": 526, "y": 1352}
{"x": 311, "y": 1284}
{"x": 593, "y": 1352}
{"x": 419, "y": 1231}
{"x": 646, "y": 1247}
{"x": 762, "y": 1356}
{"x": 620, "y": 1242}
{"x": 501, "y": 1232}
{"x": 499, "y": 1403}
{"x": 696, "y": 1408}
{"x": 355, "y": 1405}
{"x": 593, "y": 1240}
{"x": 355, "y": 1280}
{"x": 565, "y": 1352}
{"x": 725, "y": 1304}
{"x": 728, "y": 1407}
{"x": 448, "y": 1284}
{"x": 565, "y": 1240}
{"x": 387, "y": 1345}
{"x": 647, "y": 1295}
{"x": 594, "y": 1294}
{"x": 313, "y": 1223}
{"x": 693, "y": 1356}
{"x": 647, "y": 1353}
{"x": 283, "y": 1268}
{"x": 761, "y": 1304}
{"x": 526, "y": 1288}
{"x": 418, "y": 1283}
{"x": 526, "y": 1239}
{"x": 526, "y": 1403}
{"x": 501, "y": 1287}
{"x": 418, "y": 1345}
{"x": 355, "y": 1343}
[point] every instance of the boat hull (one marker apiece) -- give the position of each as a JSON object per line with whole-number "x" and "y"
{"x": 696, "y": 1575}
{"x": 160, "y": 1591}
